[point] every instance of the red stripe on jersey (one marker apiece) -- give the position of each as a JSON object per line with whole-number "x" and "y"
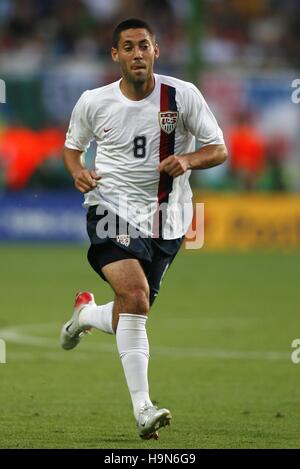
{"x": 166, "y": 148}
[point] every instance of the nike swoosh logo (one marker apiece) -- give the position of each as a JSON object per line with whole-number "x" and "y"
{"x": 107, "y": 130}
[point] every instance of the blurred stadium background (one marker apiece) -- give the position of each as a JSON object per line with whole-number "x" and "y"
{"x": 244, "y": 57}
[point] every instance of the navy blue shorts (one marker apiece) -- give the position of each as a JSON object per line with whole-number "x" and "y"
{"x": 155, "y": 254}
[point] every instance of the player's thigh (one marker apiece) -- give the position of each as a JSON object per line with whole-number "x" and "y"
{"x": 126, "y": 277}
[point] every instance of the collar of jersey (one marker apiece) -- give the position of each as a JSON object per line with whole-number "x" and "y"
{"x": 140, "y": 102}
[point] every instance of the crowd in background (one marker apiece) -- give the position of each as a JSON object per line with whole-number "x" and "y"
{"x": 260, "y": 32}
{"x": 51, "y": 50}
{"x": 43, "y": 30}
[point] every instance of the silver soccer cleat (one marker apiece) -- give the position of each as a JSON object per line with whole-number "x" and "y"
{"x": 151, "y": 419}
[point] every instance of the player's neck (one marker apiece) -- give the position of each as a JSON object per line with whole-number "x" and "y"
{"x": 137, "y": 91}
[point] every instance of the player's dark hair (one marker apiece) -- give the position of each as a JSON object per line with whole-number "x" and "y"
{"x": 131, "y": 23}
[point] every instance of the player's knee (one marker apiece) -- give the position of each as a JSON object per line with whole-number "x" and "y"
{"x": 135, "y": 301}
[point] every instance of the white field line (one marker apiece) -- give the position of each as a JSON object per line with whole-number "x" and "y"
{"x": 20, "y": 335}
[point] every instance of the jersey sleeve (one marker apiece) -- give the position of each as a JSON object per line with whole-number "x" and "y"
{"x": 199, "y": 119}
{"x": 79, "y": 134}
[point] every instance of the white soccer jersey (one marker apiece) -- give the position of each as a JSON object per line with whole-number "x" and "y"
{"x": 132, "y": 138}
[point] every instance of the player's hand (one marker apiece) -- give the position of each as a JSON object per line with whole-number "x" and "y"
{"x": 86, "y": 180}
{"x": 174, "y": 165}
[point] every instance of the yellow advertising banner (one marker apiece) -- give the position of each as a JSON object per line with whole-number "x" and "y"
{"x": 249, "y": 221}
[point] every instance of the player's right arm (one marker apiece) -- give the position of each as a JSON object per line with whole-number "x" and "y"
{"x": 84, "y": 179}
{"x": 79, "y": 135}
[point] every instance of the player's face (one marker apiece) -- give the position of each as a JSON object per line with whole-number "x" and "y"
{"x": 136, "y": 54}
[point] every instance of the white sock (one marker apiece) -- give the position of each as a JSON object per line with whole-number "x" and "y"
{"x": 99, "y": 317}
{"x": 133, "y": 346}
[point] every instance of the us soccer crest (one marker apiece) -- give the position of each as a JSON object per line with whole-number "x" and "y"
{"x": 168, "y": 121}
{"x": 124, "y": 240}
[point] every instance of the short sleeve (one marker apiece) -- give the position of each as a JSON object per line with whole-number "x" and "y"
{"x": 199, "y": 119}
{"x": 79, "y": 134}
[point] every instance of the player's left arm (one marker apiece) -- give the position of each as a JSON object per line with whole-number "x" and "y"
{"x": 204, "y": 158}
{"x": 199, "y": 120}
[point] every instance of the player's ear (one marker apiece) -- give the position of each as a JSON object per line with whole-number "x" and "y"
{"x": 156, "y": 51}
{"x": 114, "y": 54}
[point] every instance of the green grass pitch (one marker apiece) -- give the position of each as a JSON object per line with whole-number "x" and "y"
{"x": 220, "y": 340}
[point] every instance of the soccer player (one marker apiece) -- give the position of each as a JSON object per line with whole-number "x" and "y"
{"x": 145, "y": 126}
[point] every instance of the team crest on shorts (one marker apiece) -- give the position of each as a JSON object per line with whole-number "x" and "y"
{"x": 168, "y": 121}
{"x": 124, "y": 240}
